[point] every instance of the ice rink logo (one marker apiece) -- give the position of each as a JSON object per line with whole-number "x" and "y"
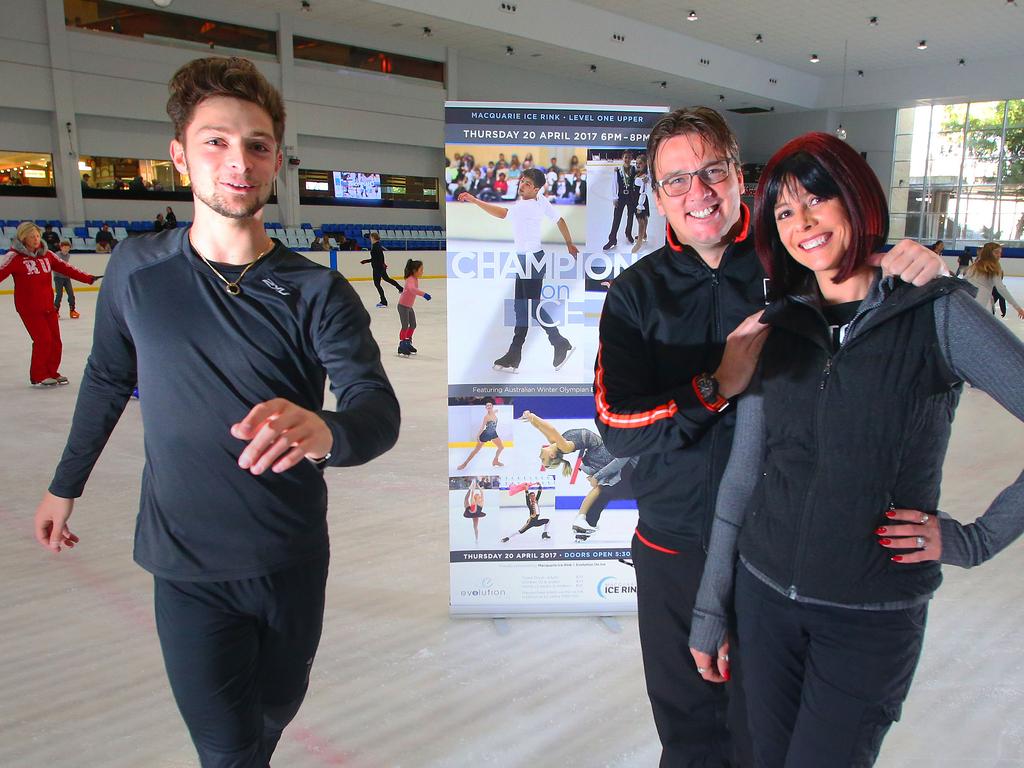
{"x": 486, "y": 589}
{"x": 610, "y": 587}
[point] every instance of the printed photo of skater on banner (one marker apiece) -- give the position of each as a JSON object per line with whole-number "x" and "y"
{"x": 545, "y": 206}
{"x": 534, "y": 488}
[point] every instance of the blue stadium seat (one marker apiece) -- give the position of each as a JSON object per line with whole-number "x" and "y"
{"x": 81, "y": 232}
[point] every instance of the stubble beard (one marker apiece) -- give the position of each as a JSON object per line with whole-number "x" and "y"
{"x": 219, "y": 205}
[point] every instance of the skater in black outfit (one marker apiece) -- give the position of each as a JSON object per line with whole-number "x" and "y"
{"x": 625, "y": 197}
{"x": 233, "y": 346}
{"x": 380, "y": 269}
{"x": 488, "y": 433}
{"x": 534, "y": 520}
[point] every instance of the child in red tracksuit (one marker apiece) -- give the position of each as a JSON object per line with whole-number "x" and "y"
{"x": 31, "y": 264}
{"x": 413, "y": 273}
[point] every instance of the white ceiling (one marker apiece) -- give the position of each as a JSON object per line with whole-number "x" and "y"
{"x": 975, "y": 30}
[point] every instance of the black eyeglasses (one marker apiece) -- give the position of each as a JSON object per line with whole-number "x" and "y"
{"x": 680, "y": 183}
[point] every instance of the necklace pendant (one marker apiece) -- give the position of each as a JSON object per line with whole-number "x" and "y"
{"x": 233, "y": 289}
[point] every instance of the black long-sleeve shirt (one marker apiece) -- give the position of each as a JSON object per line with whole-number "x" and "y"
{"x": 202, "y": 359}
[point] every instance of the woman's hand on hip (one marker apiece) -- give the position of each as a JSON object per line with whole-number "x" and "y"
{"x": 913, "y": 530}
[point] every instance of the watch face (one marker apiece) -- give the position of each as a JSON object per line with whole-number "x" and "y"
{"x": 708, "y": 387}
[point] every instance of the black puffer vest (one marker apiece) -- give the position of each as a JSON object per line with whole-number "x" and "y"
{"x": 848, "y": 435}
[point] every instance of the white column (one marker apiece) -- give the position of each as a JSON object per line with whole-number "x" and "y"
{"x": 65, "y": 156}
{"x": 288, "y": 178}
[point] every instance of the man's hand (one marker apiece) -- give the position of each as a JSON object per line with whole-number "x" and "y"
{"x": 280, "y": 435}
{"x": 51, "y": 522}
{"x": 911, "y": 262}
{"x": 465, "y": 197}
{"x": 742, "y": 349}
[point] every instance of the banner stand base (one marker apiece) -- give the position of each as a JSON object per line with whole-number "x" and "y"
{"x": 611, "y": 624}
{"x": 501, "y": 626}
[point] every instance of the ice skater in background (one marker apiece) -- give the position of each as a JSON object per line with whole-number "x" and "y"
{"x": 608, "y": 476}
{"x": 413, "y": 273}
{"x": 488, "y": 434}
{"x": 474, "y": 507}
{"x": 534, "y": 520}
{"x": 642, "y": 182}
{"x": 380, "y": 269}
{"x": 31, "y": 263}
{"x": 526, "y": 216}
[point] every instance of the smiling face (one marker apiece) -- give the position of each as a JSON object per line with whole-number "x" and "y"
{"x": 705, "y": 215}
{"x": 230, "y": 155}
{"x": 814, "y": 230}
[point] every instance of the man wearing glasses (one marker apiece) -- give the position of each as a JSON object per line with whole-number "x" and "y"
{"x": 679, "y": 336}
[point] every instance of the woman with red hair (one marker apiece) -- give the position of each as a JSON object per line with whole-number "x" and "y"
{"x": 828, "y": 540}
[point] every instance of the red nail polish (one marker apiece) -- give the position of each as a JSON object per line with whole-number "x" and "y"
{"x": 898, "y": 558}
{"x": 880, "y": 530}
{"x": 890, "y": 513}
{"x": 885, "y": 541}
{"x": 726, "y": 675}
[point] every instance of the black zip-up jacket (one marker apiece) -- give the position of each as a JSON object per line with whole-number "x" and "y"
{"x": 886, "y": 397}
{"x": 664, "y": 322}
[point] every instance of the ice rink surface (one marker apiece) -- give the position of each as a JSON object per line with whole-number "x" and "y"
{"x": 396, "y": 681}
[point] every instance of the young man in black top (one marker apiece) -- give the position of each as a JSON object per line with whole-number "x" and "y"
{"x": 380, "y": 269}
{"x": 677, "y": 340}
{"x": 231, "y": 342}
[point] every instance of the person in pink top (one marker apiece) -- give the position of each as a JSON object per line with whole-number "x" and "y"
{"x": 413, "y": 273}
{"x": 31, "y": 264}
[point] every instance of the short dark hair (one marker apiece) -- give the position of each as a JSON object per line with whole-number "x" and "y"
{"x": 701, "y": 121}
{"x": 234, "y": 77}
{"x": 411, "y": 266}
{"x": 535, "y": 176}
{"x": 830, "y": 168}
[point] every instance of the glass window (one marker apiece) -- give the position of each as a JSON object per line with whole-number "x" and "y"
{"x": 27, "y": 174}
{"x": 958, "y": 173}
{"x": 343, "y": 55}
{"x": 154, "y": 24}
{"x": 151, "y": 178}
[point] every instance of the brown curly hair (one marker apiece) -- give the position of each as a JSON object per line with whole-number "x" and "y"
{"x": 234, "y": 77}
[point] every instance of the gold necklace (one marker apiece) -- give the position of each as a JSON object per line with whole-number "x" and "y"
{"x": 229, "y": 286}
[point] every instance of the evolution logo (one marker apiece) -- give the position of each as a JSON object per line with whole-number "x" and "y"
{"x": 610, "y": 586}
{"x": 486, "y": 589}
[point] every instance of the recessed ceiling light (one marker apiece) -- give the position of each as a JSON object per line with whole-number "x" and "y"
{"x": 922, "y": 45}
{"x": 510, "y": 51}
{"x": 860, "y": 73}
{"x": 814, "y": 58}
{"x": 692, "y": 16}
{"x": 593, "y": 67}
{"x": 758, "y": 38}
{"x": 962, "y": 62}
{"x": 427, "y": 32}
{"x": 873, "y": 21}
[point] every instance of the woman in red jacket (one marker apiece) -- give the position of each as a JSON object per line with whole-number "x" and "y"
{"x": 31, "y": 263}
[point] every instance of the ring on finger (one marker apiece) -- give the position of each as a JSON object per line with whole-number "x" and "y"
{"x": 924, "y": 518}
{"x": 701, "y": 670}
{"x": 920, "y": 542}
{"x": 723, "y": 656}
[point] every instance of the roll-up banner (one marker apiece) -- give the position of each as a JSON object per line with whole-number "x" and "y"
{"x": 545, "y": 205}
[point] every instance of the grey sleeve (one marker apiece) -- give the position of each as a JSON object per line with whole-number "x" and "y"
{"x": 982, "y": 351}
{"x": 742, "y": 474}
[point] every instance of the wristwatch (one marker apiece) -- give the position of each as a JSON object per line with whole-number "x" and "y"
{"x": 706, "y": 387}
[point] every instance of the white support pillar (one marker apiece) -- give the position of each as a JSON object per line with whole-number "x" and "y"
{"x": 64, "y": 126}
{"x": 288, "y": 178}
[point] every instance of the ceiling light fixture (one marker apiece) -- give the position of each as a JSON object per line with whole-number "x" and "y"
{"x": 962, "y": 62}
{"x": 860, "y": 73}
{"x": 510, "y": 51}
{"x": 758, "y": 38}
{"x": 428, "y": 32}
{"x": 922, "y": 45}
{"x": 692, "y": 16}
{"x": 593, "y": 67}
{"x": 814, "y": 58}
{"x": 840, "y": 131}
{"x": 873, "y": 21}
